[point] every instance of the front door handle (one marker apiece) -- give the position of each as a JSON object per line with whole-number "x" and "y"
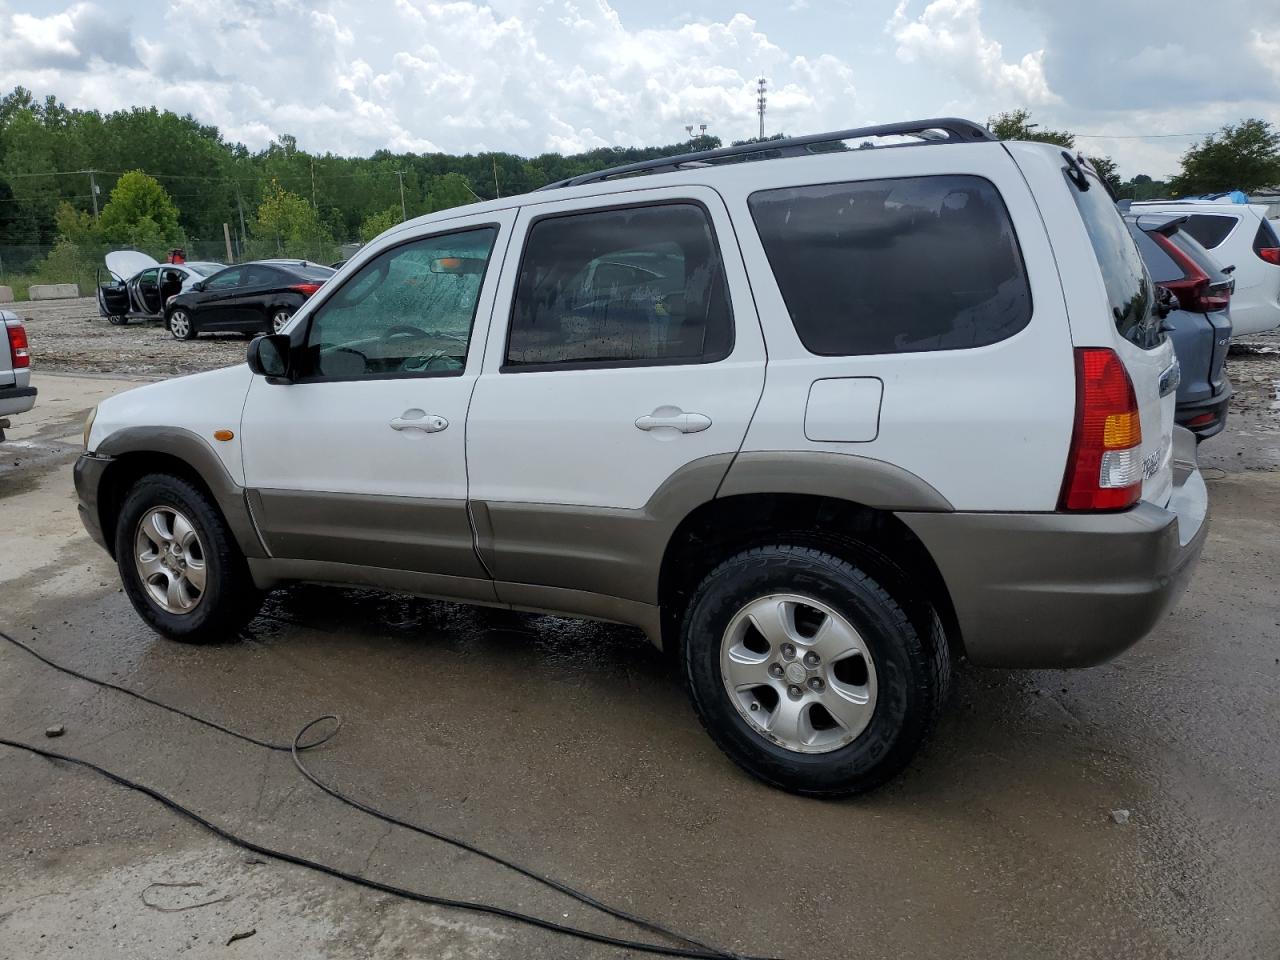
{"x": 416, "y": 419}
{"x": 673, "y": 418}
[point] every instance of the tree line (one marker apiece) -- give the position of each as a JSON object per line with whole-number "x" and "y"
{"x": 80, "y": 181}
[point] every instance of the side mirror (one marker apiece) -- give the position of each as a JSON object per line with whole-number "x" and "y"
{"x": 198, "y": 286}
{"x": 269, "y": 357}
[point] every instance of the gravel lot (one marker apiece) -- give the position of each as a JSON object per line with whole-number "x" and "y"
{"x": 68, "y": 335}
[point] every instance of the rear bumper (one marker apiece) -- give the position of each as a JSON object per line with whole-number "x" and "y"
{"x": 87, "y": 474}
{"x": 1068, "y": 590}
{"x": 16, "y": 400}
{"x": 1212, "y": 411}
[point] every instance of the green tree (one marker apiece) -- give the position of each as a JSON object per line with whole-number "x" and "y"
{"x": 1017, "y": 125}
{"x": 380, "y": 222}
{"x": 450, "y": 190}
{"x": 287, "y": 225}
{"x": 1243, "y": 156}
{"x": 1106, "y": 168}
{"x": 140, "y": 214}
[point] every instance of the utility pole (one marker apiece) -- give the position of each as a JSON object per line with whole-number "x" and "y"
{"x": 494, "y": 158}
{"x": 314, "y": 205}
{"x": 93, "y": 192}
{"x": 761, "y": 86}
{"x": 226, "y": 235}
{"x": 404, "y": 214}
{"x": 240, "y": 207}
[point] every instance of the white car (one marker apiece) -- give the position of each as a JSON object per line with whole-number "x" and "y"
{"x": 818, "y": 424}
{"x": 16, "y": 393}
{"x": 139, "y": 286}
{"x": 1238, "y": 235}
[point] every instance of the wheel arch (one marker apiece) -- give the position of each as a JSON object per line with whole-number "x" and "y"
{"x": 139, "y": 451}
{"x": 869, "y": 536}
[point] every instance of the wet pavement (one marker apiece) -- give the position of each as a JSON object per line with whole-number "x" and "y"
{"x": 570, "y": 747}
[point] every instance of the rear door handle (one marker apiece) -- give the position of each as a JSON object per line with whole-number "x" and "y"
{"x": 416, "y": 419}
{"x": 674, "y": 418}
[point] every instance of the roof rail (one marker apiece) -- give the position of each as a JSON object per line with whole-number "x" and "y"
{"x": 936, "y": 130}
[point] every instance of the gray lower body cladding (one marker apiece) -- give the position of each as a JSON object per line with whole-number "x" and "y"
{"x": 1048, "y": 590}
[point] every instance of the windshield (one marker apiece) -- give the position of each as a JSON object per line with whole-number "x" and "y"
{"x": 204, "y": 268}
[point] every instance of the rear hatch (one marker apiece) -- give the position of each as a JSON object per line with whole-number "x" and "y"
{"x": 1142, "y": 347}
{"x": 1211, "y": 296}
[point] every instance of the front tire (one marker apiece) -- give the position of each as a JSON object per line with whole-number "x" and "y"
{"x": 808, "y": 673}
{"x": 181, "y": 568}
{"x": 117, "y": 321}
{"x": 181, "y": 326}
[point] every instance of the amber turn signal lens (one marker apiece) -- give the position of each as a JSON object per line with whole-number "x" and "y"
{"x": 1121, "y": 431}
{"x": 223, "y": 435}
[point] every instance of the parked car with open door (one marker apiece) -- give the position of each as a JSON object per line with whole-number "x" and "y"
{"x": 136, "y": 286}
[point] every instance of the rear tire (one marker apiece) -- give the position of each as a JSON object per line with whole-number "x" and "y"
{"x": 118, "y": 321}
{"x": 279, "y": 320}
{"x": 884, "y": 681}
{"x": 180, "y": 565}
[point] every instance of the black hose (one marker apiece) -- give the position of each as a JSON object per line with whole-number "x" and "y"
{"x": 294, "y": 748}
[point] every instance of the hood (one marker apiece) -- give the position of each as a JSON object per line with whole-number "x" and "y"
{"x": 125, "y": 263}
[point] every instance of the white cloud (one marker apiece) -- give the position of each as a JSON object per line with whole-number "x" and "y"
{"x": 424, "y": 75}
{"x": 948, "y": 36}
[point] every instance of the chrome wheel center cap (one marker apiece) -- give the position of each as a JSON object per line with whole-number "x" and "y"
{"x": 796, "y": 673}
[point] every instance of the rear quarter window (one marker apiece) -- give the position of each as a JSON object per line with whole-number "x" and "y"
{"x": 1265, "y": 238}
{"x": 1210, "y": 229}
{"x": 1129, "y": 293}
{"x": 895, "y": 266}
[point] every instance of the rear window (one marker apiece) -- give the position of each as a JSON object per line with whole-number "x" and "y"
{"x": 1209, "y": 228}
{"x": 313, "y": 271}
{"x": 1159, "y": 264}
{"x": 1265, "y": 238}
{"x": 895, "y": 266}
{"x": 1128, "y": 284}
{"x": 1202, "y": 257}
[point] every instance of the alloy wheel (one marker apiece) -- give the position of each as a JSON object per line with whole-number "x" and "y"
{"x": 799, "y": 673}
{"x": 179, "y": 324}
{"x": 280, "y": 320}
{"x": 170, "y": 559}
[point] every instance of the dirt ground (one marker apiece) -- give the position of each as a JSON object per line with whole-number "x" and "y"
{"x": 569, "y": 746}
{"x": 69, "y": 335}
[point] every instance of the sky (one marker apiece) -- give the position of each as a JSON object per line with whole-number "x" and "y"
{"x": 530, "y": 76}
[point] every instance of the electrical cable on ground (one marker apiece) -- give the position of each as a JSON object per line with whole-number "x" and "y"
{"x": 294, "y": 748}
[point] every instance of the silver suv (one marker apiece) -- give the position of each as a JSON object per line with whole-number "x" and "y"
{"x": 818, "y": 424}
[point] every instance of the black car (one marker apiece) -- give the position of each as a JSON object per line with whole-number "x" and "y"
{"x": 1198, "y": 297}
{"x": 249, "y": 298}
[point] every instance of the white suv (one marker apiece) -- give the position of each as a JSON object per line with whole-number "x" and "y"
{"x": 819, "y": 424}
{"x": 1241, "y": 237}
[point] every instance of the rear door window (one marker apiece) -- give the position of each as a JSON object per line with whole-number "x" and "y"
{"x": 1129, "y": 293}
{"x": 1210, "y": 228}
{"x": 633, "y": 286}
{"x": 895, "y": 266}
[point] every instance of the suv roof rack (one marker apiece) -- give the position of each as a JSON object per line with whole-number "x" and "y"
{"x": 936, "y": 130}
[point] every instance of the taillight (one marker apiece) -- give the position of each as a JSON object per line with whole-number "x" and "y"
{"x": 1104, "y": 467}
{"x": 306, "y": 289}
{"x": 19, "y": 355}
{"x": 1270, "y": 254}
{"x": 1194, "y": 291}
